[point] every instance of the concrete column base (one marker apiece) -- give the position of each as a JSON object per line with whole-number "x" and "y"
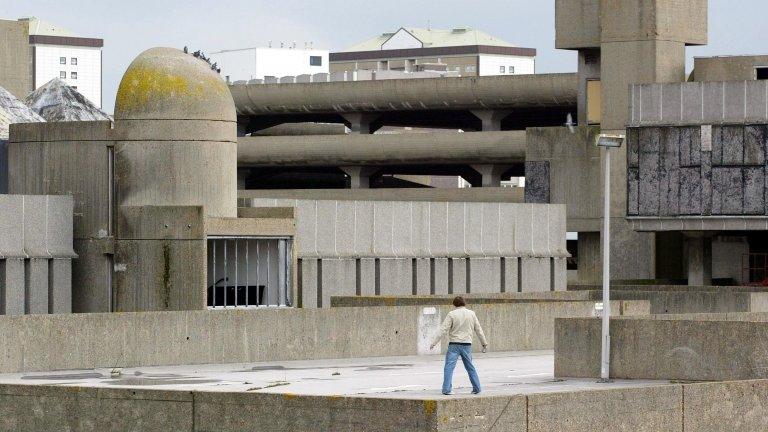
{"x": 699, "y": 251}
{"x": 359, "y": 176}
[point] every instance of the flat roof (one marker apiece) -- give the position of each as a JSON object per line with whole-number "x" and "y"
{"x": 408, "y": 377}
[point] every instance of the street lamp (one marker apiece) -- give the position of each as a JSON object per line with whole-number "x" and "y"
{"x": 608, "y": 141}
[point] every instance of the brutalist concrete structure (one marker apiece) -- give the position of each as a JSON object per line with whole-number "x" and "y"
{"x": 35, "y": 254}
{"x": 400, "y": 248}
{"x": 150, "y": 190}
{"x": 697, "y": 169}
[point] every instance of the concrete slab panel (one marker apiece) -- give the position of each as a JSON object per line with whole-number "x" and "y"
{"x": 757, "y": 101}
{"x": 345, "y": 229}
{"x": 511, "y": 278}
{"x": 523, "y": 217}
{"x": 727, "y": 191}
{"x": 34, "y": 226}
{"x": 309, "y": 285}
{"x": 650, "y": 147}
{"x": 633, "y": 191}
{"x": 441, "y": 275}
{"x": 438, "y": 228}
{"x": 402, "y": 233}
{"x": 754, "y": 191}
{"x": 364, "y": 232}
{"x": 714, "y": 111}
{"x": 473, "y": 237}
{"x": 651, "y": 102}
{"x": 491, "y": 229}
{"x": 338, "y": 279}
{"x": 326, "y": 228}
{"x": 755, "y": 144}
{"x": 671, "y": 103}
{"x": 540, "y": 244}
{"x": 423, "y": 276}
{"x": 457, "y": 225}
{"x": 734, "y": 95}
{"x": 690, "y": 146}
{"x": 484, "y": 275}
{"x": 11, "y": 228}
{"x": 367, "y": 276}
{"x": 690, "y": 191}
{"x": 693, "y": 97}
{"x": 536, "y": 274}
{"x": 396, "y": 276}
{"x": 384, "y": 226}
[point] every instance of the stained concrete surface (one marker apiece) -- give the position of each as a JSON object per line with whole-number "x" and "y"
{"x": 405, "y": 377}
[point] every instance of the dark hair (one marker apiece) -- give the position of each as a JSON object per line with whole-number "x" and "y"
{"x": 459, "y": 301}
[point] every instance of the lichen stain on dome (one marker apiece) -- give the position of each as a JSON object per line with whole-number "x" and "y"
{"x": 164, "y": 83}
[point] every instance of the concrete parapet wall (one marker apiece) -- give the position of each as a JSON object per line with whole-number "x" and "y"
{"x": 738, "y": 406}
{"x": 484, "y": 194}
{"x": 697, "y": 103}
{"x": 353, "y": 229}
{"x": 84, "y": 341}
{"x": 698, "y": 348}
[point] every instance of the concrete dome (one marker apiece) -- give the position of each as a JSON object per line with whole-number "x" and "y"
{"x": 167, "y": 84}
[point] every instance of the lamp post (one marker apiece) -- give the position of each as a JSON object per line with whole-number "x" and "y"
{"x": 608, "y": 141}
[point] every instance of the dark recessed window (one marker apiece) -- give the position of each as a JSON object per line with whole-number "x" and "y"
{"x": 762, "y": 73}
{"x": 502, "y": 69}
{"x": 63, "y": 74}
{"x": 73, "y": 75}
{"x": 74, "y": 61}
{"x": 62, "y": 60}
{"x": 315, "y": 61}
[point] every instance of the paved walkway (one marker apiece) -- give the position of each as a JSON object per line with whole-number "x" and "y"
{"x": 501, "y": 373}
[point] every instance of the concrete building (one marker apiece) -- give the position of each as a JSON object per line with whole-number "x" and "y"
{"x": 466, "y": 51}
{"x": 257, "y": 63}
{"x": 35, "y": 254}
{"x": 35, "y": 52}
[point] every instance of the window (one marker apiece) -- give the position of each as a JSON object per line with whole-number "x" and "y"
{"x": 73, "y": 75}
{"x": 249, "y": 271}
{"x": 470, "y": 69}
{"x": 315, "y": 61}
{"x": 62, "y": 60}
{"x": 511, "y": 69}
{"x": 502, "y": 69}
{"x": 73, "y": 61}
{"x": 761, "y": 73}
{"x": 74, "y": 87}
{"x": 63, "y": 74}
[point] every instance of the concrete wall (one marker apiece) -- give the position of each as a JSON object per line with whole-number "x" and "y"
{"x": 485, "y": 194}
{"x": 703, "y": 407}
{"x": 35, "y": 254}
{"x": 338, "y": 239}
{"x": 696, "y": 103}
{"x": 678, "y": 347}
{"x": 727, "y": 68}
{"x": 672, "y": 174}
{"x": 15, "y": 58}
{"x": 84, "y": 341}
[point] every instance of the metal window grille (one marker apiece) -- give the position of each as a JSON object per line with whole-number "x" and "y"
{"x": 249, "y": 272}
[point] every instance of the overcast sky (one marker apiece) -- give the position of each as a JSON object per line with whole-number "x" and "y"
{"x": 131, "y": 26}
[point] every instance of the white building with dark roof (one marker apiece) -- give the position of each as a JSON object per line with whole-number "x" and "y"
{"x": 466, "y": 51}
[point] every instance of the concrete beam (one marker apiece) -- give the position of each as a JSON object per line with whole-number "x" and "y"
{"x": 487, "y": 92}
{"x": 491, "y": 174}
{"x": 359, "y": 176}
{"x": 361, "y": 122}
{"x": 491, "y": 119}
{"x": 401, "y": 149}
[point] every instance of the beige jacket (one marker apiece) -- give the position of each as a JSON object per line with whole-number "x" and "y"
{"x": 459, "y": 325}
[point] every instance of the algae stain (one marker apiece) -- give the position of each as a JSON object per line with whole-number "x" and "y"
{"x": 430, "y": 407}
{"x": 166, "y": 275}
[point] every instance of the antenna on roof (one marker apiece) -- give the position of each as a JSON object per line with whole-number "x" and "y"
{"x": 429, "y": 25}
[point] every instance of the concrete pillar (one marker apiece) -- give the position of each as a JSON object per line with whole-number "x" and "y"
{"x": 361, "y": 122}
{"x": 36, "y": 285}
{"x": 491, "y": 119}
{"x": 590, "y": 264}
{"x": 359, "y": 176}
{"x": 12, "y": 286}
{"x": 241, "y": 175}
{"x": 699, "y": 251}
{"x": 491, "y": 174}
{"x": 60, "y": 286}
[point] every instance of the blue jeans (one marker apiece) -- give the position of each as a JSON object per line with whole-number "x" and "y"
{"x": 451, "y": 356}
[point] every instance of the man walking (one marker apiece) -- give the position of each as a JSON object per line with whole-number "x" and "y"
{"x": 459, "y": 326}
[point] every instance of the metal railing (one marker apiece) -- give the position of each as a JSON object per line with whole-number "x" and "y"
{"x": 249, "y": 272}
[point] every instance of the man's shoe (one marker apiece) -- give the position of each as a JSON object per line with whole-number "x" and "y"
{"x": 475, "y": 392}
{"x": 448, "y": 394}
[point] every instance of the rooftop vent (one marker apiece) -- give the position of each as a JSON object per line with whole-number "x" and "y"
{"x": 460, "y": 30}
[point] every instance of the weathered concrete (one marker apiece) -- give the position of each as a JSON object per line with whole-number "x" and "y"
{"x": 15, "y": 58}
{"x": 511, "y": 91}
{"x": 684, "y": 347}
{"x": 688, "y": 103}
{"x": 388, "y": 149}
{"x": 727, "y": 68}
{"x": 491, "y": 195}
{"x": 45, "y": 342}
